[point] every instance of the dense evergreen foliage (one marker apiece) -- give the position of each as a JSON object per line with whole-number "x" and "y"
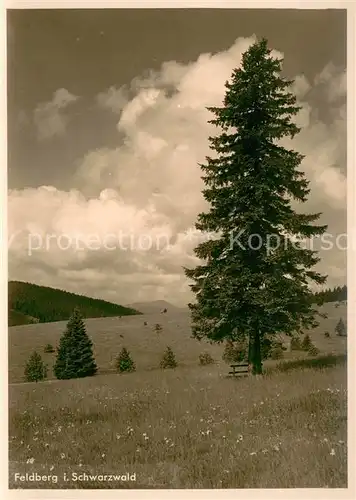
{"x": 75, "y": 357}
{"x": 245, "y": 288}
{"x": 50, "y": 304}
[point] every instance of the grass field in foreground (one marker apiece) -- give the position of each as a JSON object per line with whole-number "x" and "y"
{"x": 184, "y": 428}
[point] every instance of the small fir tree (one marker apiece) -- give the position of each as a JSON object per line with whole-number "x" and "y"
{"x": 158, "y": 328}
{"x": 124, "y": 362}
{"x": 168, "y": 359}
{"x": 75, "y": 357}
{"x": 340, "y": 328}
{"x": 313, "y": 350}
{"x": 35, "y": 368}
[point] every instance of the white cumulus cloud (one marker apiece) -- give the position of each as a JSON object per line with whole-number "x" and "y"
{"x": 142, "y": 197}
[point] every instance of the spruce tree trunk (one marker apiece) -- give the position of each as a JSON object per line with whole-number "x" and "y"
{"x": 250, "y": 350}
{"x": 257, "y": 359}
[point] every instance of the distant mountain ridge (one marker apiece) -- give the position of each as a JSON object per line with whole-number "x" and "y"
{"x": 29, "y": 303}
{"x": 154, "y": 306}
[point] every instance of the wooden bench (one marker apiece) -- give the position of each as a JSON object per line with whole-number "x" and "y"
{"x": 239, "y": 369}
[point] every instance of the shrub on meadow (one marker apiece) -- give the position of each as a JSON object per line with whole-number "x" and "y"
{"x": 277, "y": 353}
{"x": 307, "y": 343}
{"x": 235, "y": 352}
{"x": 327, "y": 335}
{"x": 35, "y": 369}
{"x": 48, "y": 349}
{"x": 168, "y": 360}
{"x": 313, "y": 350}
{"x": 75, "y": 357}
{"x": 206, "y": 359}
{"x": 158, "y": 328}
{"x": 268, "y": 346}
{"x": 295, "y": 344}
{"x": 124, "y": 362}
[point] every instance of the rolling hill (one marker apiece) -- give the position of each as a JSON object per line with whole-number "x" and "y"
{"x": 111, "y": 334}
{"x": 29, "y": 303}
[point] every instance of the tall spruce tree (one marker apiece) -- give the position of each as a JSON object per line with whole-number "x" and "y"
{"x": 75, "y": 352}
{"x": 244, "y": 288}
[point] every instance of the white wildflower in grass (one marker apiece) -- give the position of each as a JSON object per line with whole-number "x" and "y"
{"x": 51, "y": 468}
{"x": 46, "y": 445}
{"x": 30, "y": 460}
{"x": 35, "y": 438}
{"x": 102, "y": 455}
{"x": 253, "y": 453}
{"x": 63, "y": 455}
{"x": 80, "y": 465}
{"x": 59, "y": 429}
{"x": 332, "y": 452}
{"x": 240, "y": 437}
{"x": 276, "y": 447}
{"x": 118, "y": 436}
{"x": 36, "y": 432}
{"x": 341, "y": 442}
{"x": 264, "y": 451}
{"x": 325, "y": 440}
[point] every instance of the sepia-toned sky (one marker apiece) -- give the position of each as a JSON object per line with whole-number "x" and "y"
{"x": 107, "y": 124}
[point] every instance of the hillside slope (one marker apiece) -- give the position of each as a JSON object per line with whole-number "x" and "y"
{"x": 153, "y": 307}
{"x": 30, "y": 303}
{"x": 110, "y": 335}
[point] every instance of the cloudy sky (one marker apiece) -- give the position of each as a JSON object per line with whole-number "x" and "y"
{"x": 107, "y": 124}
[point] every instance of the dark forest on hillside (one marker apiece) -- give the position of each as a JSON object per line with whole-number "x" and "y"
{"x": 39, "y": 304}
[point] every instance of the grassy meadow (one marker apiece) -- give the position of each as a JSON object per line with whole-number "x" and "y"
{"x": 191, "y": 427}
